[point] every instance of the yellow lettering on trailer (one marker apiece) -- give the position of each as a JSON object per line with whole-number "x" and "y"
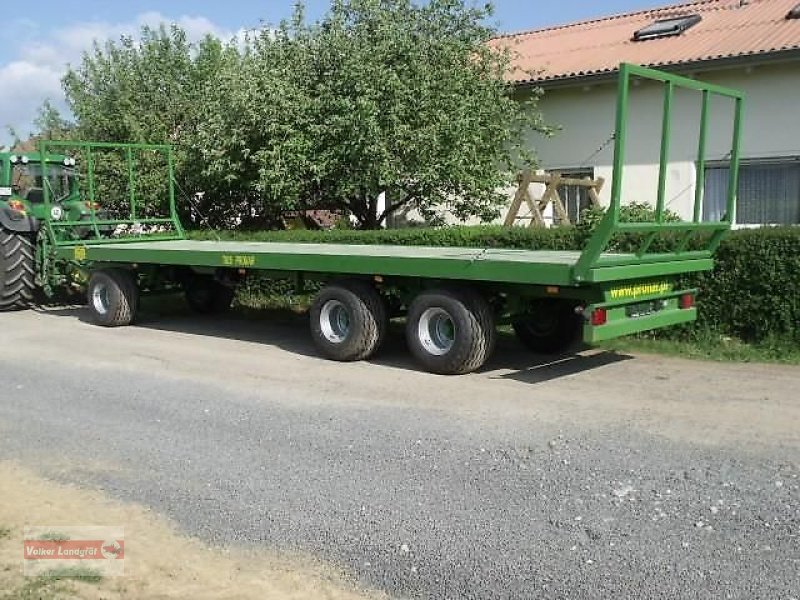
{"x": 245, "y": 260}
{"x": 642, "y": 289}
{"x": 239, "y": 260}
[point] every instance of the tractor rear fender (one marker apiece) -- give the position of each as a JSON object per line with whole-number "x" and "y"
{"x": 12, "y": 220}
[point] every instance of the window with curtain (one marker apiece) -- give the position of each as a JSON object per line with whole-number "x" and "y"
{"x": 575, "y": 197}
{"x": 769, "y": 193}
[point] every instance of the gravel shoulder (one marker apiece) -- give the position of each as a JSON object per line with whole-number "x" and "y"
{"x": 160, "y": 562}
{"x": 579, "y": 477}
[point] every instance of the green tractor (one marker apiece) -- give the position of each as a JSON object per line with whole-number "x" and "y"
{"x": 23, "y": 209}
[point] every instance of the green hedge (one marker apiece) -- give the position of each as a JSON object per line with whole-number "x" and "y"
{"x": 752, "y": 294}
{"x": 484, "y": 236}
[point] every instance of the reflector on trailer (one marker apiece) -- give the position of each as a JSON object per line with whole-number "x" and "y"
{"x": 599, "y": 316}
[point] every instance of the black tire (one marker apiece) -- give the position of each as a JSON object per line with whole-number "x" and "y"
{"x": 551, "y": 327}
{"x": 207, "y": 296}
{"x": 451, "y": 331}
{"x": 17, "y": 270}
{"x": 113, "y": 297}
{"x": 349, "y": 320}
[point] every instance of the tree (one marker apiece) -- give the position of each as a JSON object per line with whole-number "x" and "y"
{"x": 142, "y": 90}
{"x": 50, "y": 124}
{"x": 149, "y": 90}
{"x": 255, "y": 130}
{"x": 409, "y": 100}
{"x": 381, "y": 96}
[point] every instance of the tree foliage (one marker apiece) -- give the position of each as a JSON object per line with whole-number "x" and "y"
{"x": 380, "y": 96}
{"x": 145, "y": 90}
{"x": 50, "y": 124}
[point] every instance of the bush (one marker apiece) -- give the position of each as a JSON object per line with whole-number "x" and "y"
{"x": 484, "y": 236}
{"x": 628, "y": 242}
{"x": 753, "y": 293}
{"x": 754, "y": 290}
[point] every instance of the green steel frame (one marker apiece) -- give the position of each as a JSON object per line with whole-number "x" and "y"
{"x": 592, "y": 257}
{"x": 88, "y": 151}
{"x": 595, "y": 264}
{"x": 618, "y": 283}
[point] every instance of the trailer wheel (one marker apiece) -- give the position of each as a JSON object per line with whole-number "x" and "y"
{"x": 451, "y": 332}
{"x": 207, "y": 296}
{"x": 17, "y": 270}
{"x": 113, "y": 297}
{"x": 349, "y": 320}
{"x": 551, "y": 327}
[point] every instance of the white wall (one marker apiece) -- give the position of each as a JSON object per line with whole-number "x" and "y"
{"x": 586, "y": 116}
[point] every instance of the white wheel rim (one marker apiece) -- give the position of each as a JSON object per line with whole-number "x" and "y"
{"x": 100, "y": 298}
{"x": 436, "y": 331}
{"x": 334, "y": 321}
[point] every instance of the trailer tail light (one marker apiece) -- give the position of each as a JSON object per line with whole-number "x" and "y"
{"x": 599, "y": 316}
{"x": 686, "y": 301}
{"x": 16, "y": 205}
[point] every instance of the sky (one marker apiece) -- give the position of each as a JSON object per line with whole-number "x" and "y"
{"x": 38, "y": 41}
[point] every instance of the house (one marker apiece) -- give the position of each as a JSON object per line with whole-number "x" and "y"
{"x": 752, "y": 46}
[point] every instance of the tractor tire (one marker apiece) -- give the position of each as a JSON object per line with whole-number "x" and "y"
{"x": 206, "y": 296}
{"x": 552, "y": 327}
{"x": 113, "y": 297}
{"x": 349, "y": 320}
{"x": 451, "y": 331}
{"x": 17, "y": 270}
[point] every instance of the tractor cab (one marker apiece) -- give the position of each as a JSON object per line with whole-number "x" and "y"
{"x": 24, "y": 177}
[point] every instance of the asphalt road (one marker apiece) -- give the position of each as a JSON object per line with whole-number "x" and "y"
{"x": 590, "y": 476}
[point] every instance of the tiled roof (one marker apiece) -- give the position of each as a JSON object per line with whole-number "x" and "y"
{"x": 729, "y": 29}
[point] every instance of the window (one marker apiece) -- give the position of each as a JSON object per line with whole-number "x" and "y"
{"x": 769, "y": 192}
{"x": 667, "y": 27}
{"x": 794, "y": 13}
{"x": 574, "y": 197}
{"x": 28, "y": 182}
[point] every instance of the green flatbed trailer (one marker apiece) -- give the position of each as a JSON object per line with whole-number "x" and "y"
{"x": 452, "y": 298}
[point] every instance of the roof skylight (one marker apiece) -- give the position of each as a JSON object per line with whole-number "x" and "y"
{"x": 667, "y": 27}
